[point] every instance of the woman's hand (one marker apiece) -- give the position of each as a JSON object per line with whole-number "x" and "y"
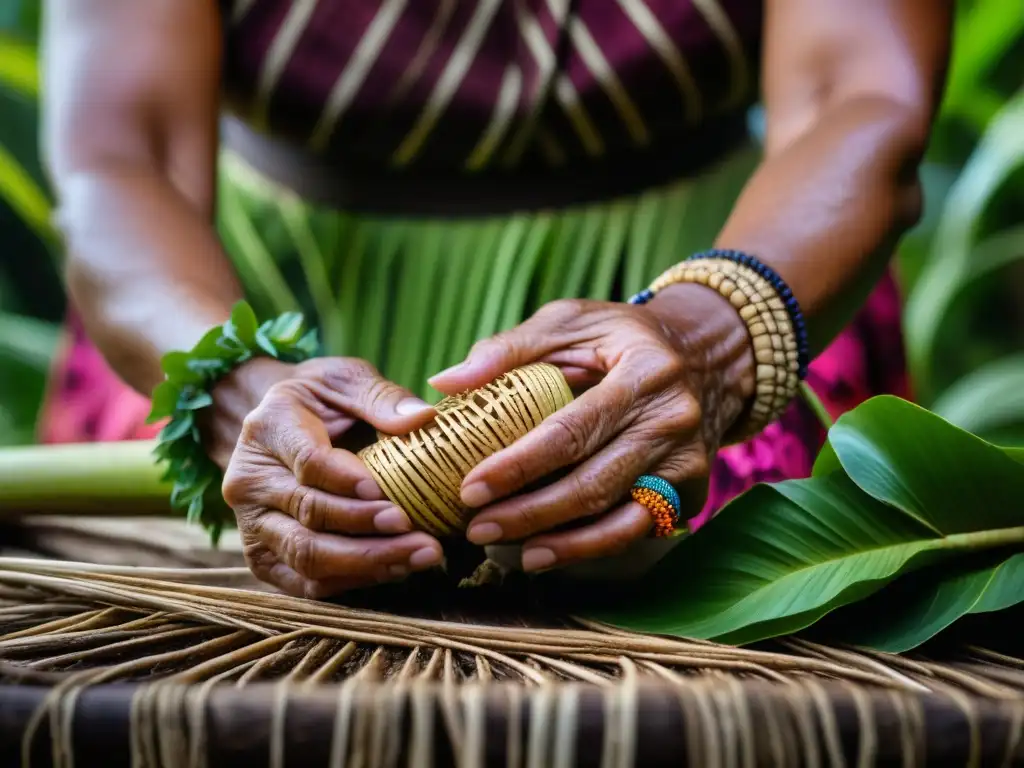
{"x": 313, "y": 520}
{"x": 664, "y": 382}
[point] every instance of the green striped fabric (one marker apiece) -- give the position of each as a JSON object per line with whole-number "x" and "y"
{"x": 411, "y": 295}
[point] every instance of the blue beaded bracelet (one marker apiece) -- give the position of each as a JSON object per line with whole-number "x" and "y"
{"x": 783, "y": 291}
{"x": 775, "y": 280}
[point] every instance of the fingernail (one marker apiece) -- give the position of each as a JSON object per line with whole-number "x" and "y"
{"x": 398, "y": 571}
{"x": 477, "y": 495}
{"x": 411, "y": 405}
{"x": 484, "y": 533}
{"x": 369, "y": 490}
{"x": 445, "y": 372}
{"x": 425, "y": 557}
{"x": 538, "y": 558}
{"x": 392, "y": 520}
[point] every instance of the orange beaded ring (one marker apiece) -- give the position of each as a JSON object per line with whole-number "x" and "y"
{"x": 661, "y": 500}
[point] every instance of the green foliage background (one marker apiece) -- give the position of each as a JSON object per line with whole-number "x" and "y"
{"x": 962, "y": 269}
{"x": 909, "y": 524}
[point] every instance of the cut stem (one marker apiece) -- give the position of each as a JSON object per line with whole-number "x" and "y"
{"x": 105, "y": 479}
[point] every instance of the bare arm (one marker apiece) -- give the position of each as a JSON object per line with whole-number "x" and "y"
{"x": 850, "y": 89}
{"x": 130, "y": 137}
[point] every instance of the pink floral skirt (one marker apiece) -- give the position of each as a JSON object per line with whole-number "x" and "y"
{"x": 87, "y": 402}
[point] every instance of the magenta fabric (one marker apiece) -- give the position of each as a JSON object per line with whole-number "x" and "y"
{"x": 89, "y": 403}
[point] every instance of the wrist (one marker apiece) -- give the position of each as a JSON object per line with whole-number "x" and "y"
{"x": 708, "y": 326}
{"x": 186, "y": 395}
{"x": 250, "y": 381}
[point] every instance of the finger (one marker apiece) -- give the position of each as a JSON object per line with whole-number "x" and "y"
{"x": 290, "y": 581}
{"x": 355, "y": 387}
{"x": 567, "y": 437}
{"x": 609, "y": 534}
{"x": 326, "y": 512}
{"x": 266, "y": 566}
{"x": 606, "y": 536}
{"x": 324, "y": 556}
{"x": 528, "y": 342}
{"x": 287, "y": 427}
{"x": 592, "y": 488}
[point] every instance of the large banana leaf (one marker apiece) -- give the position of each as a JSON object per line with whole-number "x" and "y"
{"x": 915, "y": 609}
{"x": 896, "y": 489}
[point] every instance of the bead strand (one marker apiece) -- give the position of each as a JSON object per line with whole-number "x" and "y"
{"x": 777, "y": 334}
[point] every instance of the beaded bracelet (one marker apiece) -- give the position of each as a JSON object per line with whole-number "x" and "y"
{"x": 773, "y": 318}
{"x": 189, "y": 376}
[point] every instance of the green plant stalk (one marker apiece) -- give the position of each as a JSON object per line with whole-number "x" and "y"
{"x": 811, "y": 399}
{"x": 105, "y": 479}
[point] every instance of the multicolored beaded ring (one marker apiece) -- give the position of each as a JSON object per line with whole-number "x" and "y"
{"x": 661, "y": 500}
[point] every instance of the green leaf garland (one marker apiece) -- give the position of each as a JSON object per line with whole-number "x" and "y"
{"x": 186, "y": 390}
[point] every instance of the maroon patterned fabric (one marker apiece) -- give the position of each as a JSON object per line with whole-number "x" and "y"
{"x": 675, "y": 62}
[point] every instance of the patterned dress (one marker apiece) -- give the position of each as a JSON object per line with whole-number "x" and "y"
{"x": 499, "y": 154}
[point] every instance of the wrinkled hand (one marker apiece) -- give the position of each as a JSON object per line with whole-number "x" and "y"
{"x": 313, "y": 520}
{"x": 663, "y": 383}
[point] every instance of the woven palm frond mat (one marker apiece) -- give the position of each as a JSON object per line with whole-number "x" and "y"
{"x": 128, "y": 665}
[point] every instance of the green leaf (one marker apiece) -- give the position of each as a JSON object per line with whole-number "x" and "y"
{"x": 176, "y": 366}
{"x": 1017, "y": 454}
{"x": 178, "y": 428}
{"x": 19, "y": 66}
{"x": 780, "y": 557}
{"x": 264, "y": 342}
{"x": 23, "y": 194}
{"x": 920, "y": 606}
{"x": 195, "y": 401}
{"x": 953, "y": 261}
{"x": 31, "y": 341}
{"x": 242, "y": 325}
{"x": 985, "y": 32}
{"x": 988, "y": 398}
{"x": 1005, "y": 588}
{"x": 210, "y": 346}
{"x": 165, "y": 399}
{"x": 901, "y": 454}
{"x": 287, "y": 329}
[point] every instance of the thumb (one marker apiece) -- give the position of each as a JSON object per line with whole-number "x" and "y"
{"x": 490, "y": 358}
{"x": 356, "y": 388}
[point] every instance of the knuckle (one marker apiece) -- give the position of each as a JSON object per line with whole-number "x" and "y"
{"x": 259, "y": 559}
{"x": 668, "y": 367}
{"x": 303, "y": 506}
{"x": 300, "y": 551}
{"x": 347, "y": 373}
{"x": 377, "y": 391}
{"x": 684, "y": 414}
{"x": 234, "y": 488}
{"x": 590, "y": 497}
{"x": 561, "y": 309}
{"x": 500, "y": 345}
{"x": 527, "y": 520}
{"x": 309, "y": 461}
{"x": 254, "y": 427}
{"x": 694, "y": 463}
{"x": 570, "y": 435}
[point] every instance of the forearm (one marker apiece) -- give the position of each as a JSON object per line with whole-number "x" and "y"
{"x": 826, "y": 210}
{"x": 145, "y": 270}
